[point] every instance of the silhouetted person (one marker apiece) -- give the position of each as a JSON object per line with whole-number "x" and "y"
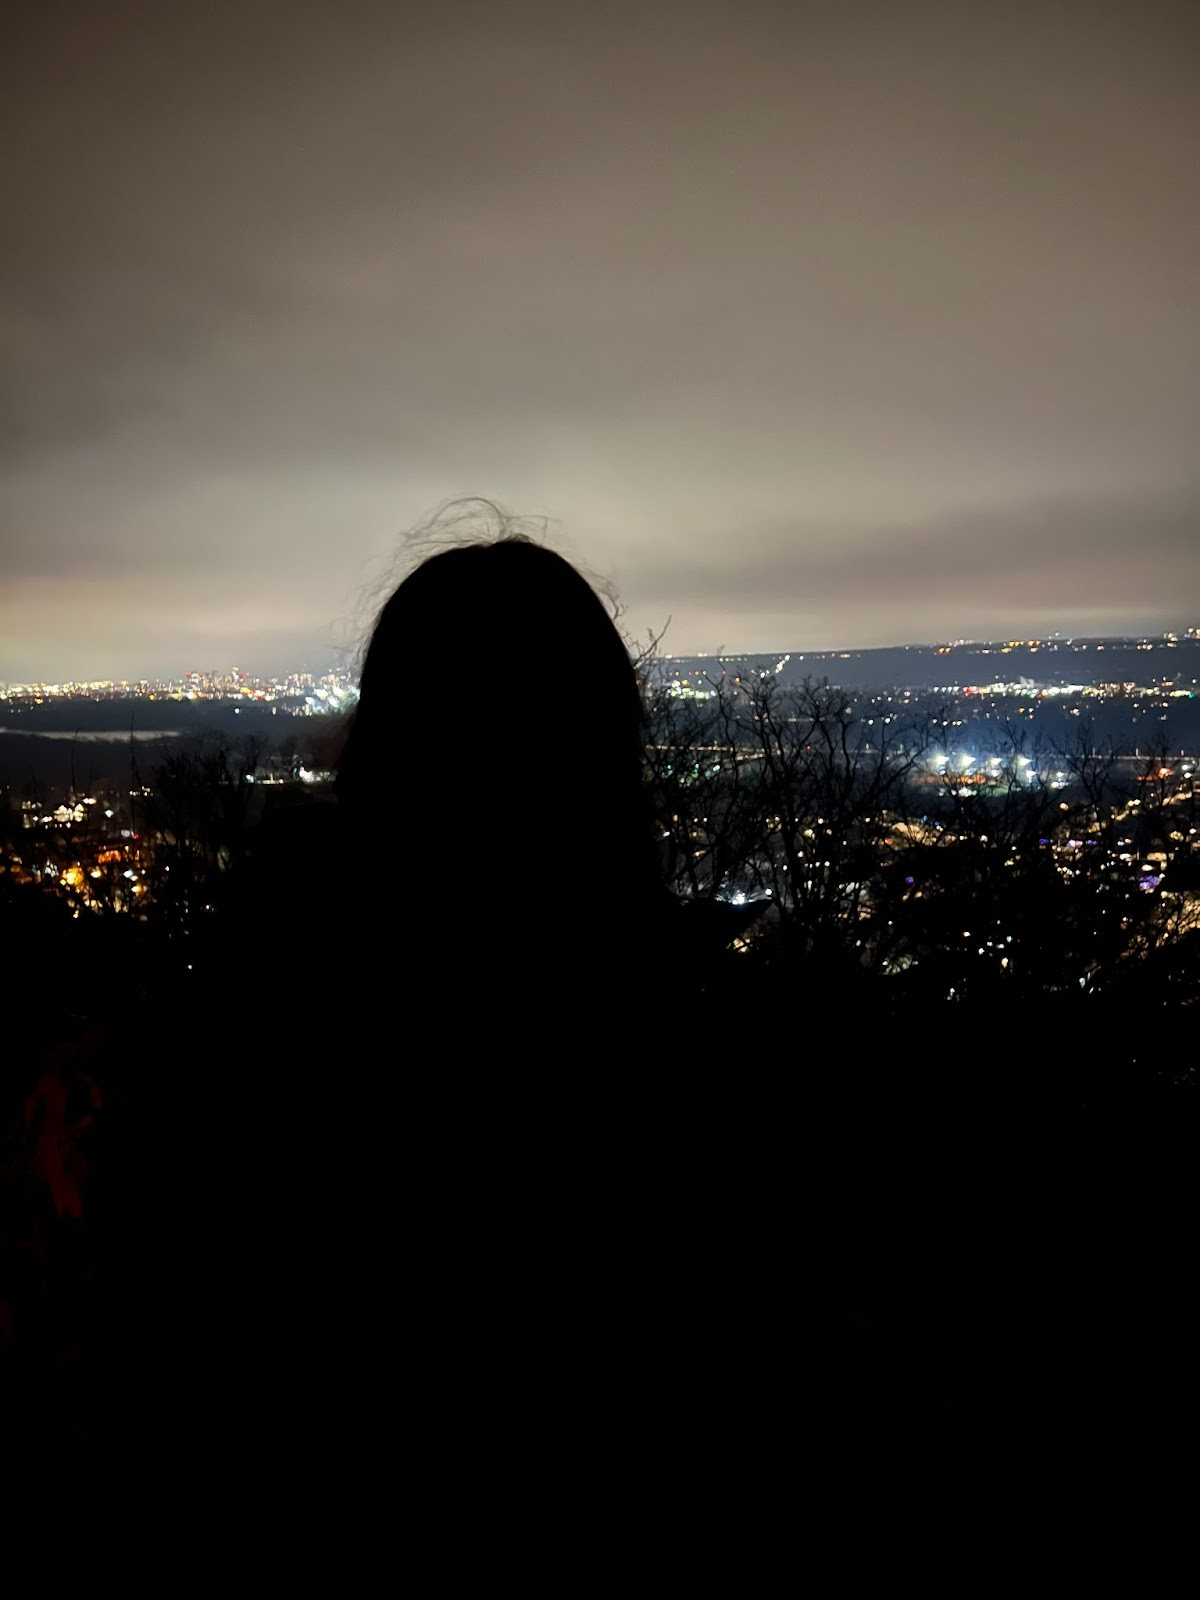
{"x": 512, "y": 943}
{"x": 459, "y": 1181}
{"x": 436, "y": 1203}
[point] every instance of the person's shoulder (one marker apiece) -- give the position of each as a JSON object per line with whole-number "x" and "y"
{"x": 299, "y": 815}
{"x": 298, "y": 842}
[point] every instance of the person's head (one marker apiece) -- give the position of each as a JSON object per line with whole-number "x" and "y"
{"x": 499, "y": 730}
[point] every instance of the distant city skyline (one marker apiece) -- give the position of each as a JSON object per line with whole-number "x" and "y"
{"x": 271, "y": 661}
{"x": 807, "y": 326}
{"x": 344, "y": 669}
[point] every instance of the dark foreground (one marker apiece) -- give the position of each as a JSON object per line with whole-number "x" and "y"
{"x": 695, "y": 1251}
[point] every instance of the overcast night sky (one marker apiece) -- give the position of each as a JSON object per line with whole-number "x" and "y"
{"x": 810, "y": 324}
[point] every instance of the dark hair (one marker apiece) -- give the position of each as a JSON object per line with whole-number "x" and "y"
{"x": 500, "y": 733}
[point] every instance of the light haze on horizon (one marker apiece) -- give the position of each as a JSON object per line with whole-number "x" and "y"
{"x": 812, "y": 326}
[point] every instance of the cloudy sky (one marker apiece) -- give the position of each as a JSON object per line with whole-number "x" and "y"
{"x": 807, "y": 324}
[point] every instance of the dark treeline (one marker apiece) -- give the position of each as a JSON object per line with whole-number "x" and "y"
{"x": 1050, "y": 889}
